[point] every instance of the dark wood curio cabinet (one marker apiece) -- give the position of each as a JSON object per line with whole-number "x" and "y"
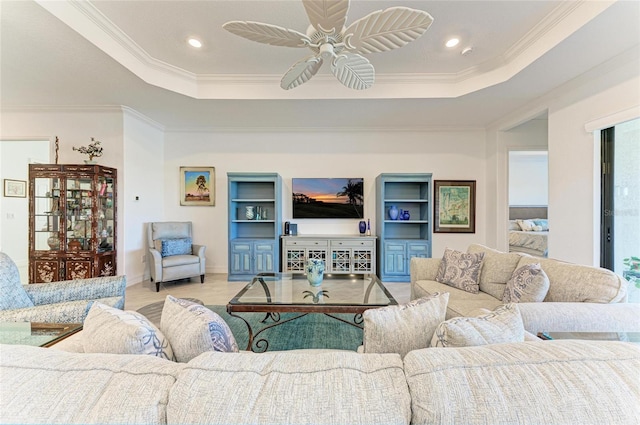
{"x": 72, "y": 222}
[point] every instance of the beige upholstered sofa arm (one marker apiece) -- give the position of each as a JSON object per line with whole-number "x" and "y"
{"x": 424, "y": 268}
{"x": 580, "y": 317}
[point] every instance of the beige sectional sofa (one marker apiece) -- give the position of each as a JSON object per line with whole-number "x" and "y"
{"x": 543, "y": 382}
{"x": 580, "y": 298}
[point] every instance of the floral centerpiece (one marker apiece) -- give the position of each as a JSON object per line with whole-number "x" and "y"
{"x": 94, "y": 150}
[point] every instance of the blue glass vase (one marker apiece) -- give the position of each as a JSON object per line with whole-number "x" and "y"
{"x": 362, "y": 227}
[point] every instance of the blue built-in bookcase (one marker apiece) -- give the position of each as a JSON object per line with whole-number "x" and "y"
{"x": 254, "y": 238}
{"x": 399, "y": 240}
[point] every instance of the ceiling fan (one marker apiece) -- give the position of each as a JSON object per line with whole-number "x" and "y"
{"x": 329, "y": 40}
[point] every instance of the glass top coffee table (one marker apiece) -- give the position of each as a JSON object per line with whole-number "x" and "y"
{"x": 36, "y": 334}
{"x": 275, "y": 293}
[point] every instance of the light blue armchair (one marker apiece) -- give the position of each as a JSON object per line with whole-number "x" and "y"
{"x": 56, "y": 302}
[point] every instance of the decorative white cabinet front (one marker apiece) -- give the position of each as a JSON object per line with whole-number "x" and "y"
{"x": 341, "y": 254}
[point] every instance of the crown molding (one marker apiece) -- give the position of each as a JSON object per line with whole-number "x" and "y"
{"x": 368, "y": 129}
{"x": 88, "y": 21}
{"x": 82, "y": 109}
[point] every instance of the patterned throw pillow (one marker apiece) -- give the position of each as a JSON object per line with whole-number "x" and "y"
{"x": 542, "y": 222}
{"x": 193, "y": 329}
{"x": 528, "y": 284}
{"x": 526, "y": 225}
{"x": 12, "y": 294}
{"x": 403, "y": 328}
{"x": 179, "y": 246}
{"x": 111, "y": 330}
{"x": 503, "y": 324}
{"x": 460, "y": 270}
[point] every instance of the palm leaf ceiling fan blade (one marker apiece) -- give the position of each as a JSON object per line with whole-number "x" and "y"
{"x": 301, "y": 72}
{"x": 386, "y": 30}
{"x": 327, "y": 15}
{"x": 267, "y": 33}
{"x": 327, "y": 37}
{"x": 353, "y": 71}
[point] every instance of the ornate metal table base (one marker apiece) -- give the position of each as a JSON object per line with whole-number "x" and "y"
{"x": 261, "y": 344}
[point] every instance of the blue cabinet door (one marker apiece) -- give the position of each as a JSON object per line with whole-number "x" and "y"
{"x": 419, "y": 249}
{"x": 240, "y": 261}
{"x": 395, "y": 258}
{"x": 264, "y": 256}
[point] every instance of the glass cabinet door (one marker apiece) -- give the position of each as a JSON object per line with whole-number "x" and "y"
{"x": 47, "y": 223}
{"x": 79, "y": 213}
{"x": 106, "y": 213}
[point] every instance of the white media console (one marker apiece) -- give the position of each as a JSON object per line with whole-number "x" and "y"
{"x": 342, "y": 254}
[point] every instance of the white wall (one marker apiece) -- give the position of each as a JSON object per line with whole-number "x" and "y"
{"x": 14, "y": 212}
{"x": 455, "y": 155}
{"x": 74, "y": 127}
{"x": 143, "y": 194}
{"x": 574, "y": 187}
{"x": 528, "y": 178}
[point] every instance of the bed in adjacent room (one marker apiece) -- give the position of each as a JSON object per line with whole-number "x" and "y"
{"x": 528, "y": 230}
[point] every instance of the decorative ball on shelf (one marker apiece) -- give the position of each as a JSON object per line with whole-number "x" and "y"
{"x": 94, "y": 150}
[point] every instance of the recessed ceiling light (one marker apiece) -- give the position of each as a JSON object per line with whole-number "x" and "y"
{"x": 194, "y": 42}
{"x": 453, "y": 42}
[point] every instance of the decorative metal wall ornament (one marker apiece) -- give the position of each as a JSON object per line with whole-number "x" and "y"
{"x": 329, "y": 40}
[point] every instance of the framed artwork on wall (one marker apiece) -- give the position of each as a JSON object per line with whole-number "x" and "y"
{"x": 197, "y": 186}
{"x": 455, "y": 206}
{"x": 15, "y": 188}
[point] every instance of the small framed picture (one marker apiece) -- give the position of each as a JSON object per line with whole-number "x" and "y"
{"x": 15, "y": 188}
{"x": 197, "y": 186}
{"x": 455, "y": 206}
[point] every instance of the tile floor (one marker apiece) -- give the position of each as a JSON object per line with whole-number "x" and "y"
{"x": 215, "y": 290}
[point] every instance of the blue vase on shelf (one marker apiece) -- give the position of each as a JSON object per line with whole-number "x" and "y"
{"x": 406, "y": 215}
{"x": 393, "y": 212}
{"x": 401, "y": 214}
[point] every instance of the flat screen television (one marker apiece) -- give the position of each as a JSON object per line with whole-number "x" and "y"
{"x": 328, "y": 197}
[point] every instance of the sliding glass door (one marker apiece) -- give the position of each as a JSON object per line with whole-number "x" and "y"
{"x": 620, "y": 218}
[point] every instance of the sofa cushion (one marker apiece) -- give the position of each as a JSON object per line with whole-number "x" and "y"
{"x": 460, "y": 270}
{"x": 460, "y": 302}
{"x": 47, "y": 386}
{"x": 497, "y": 268}
{"x": 504, "y": 324}
{"x": 193, "y": 329}
{"x": 551, "y": 382}
{"x": 12, "y": 294}
{"x": 579, "y": 283}
{"x": 110, "y": 330}
{"x": 402, "y": 328}
{"x": 291, "y": 388}
{"x": 529, "y": 283}
{"x": 178, "y": 246}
